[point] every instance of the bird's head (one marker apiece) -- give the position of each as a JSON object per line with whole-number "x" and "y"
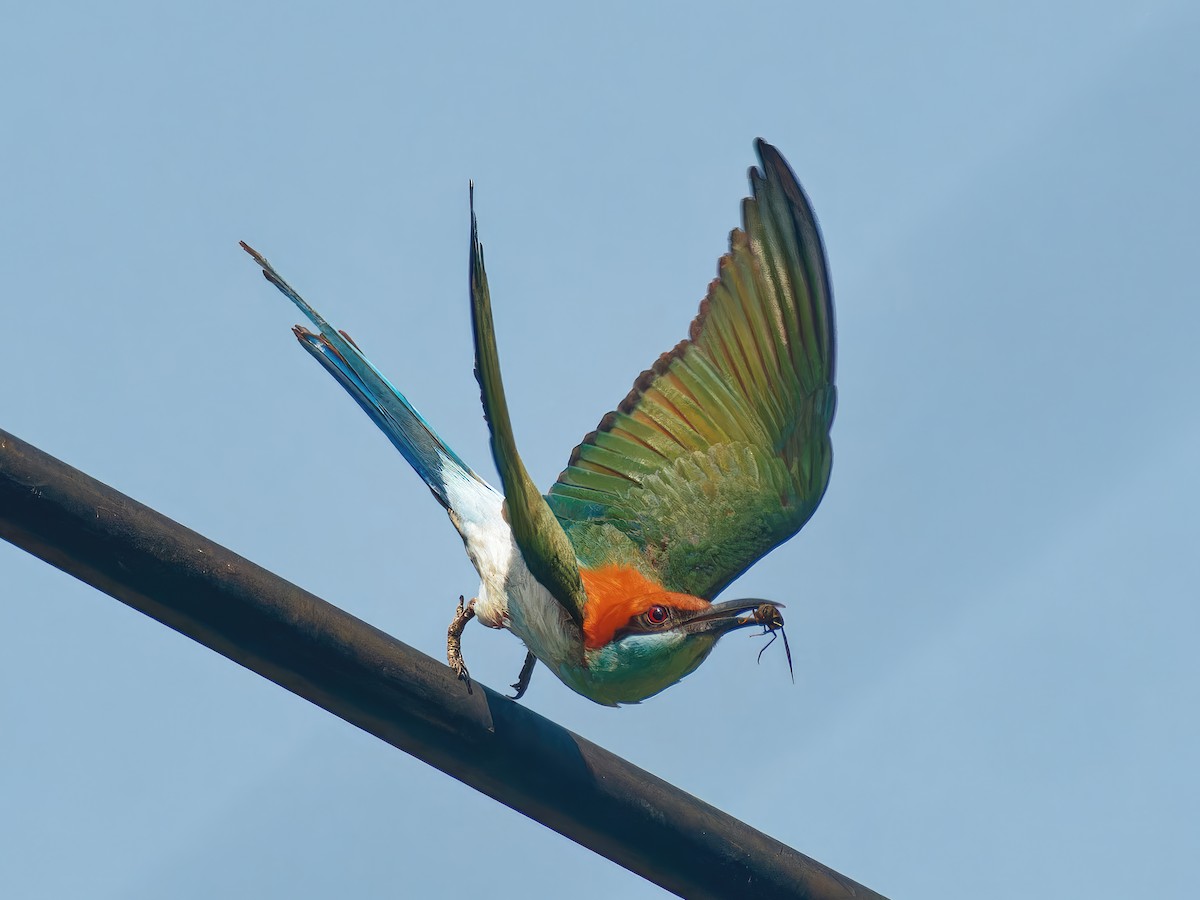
{"x": 640, "y": 642}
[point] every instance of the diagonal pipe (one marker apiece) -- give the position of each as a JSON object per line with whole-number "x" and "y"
{"x": 387, "y": 688}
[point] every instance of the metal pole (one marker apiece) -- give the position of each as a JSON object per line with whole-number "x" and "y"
{"x": 396, "y": 693}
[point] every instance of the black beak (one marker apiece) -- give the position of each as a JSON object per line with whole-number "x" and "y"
{"x": 733, "y": 614}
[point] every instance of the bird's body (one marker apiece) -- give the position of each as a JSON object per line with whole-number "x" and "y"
{"x": 509, "y": 596}
{"x": 719, "y": 453}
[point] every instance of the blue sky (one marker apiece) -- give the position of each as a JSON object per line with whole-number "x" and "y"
{"x": 993, "y": 614}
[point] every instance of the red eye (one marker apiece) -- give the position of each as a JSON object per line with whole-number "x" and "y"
{"x": 656, "y": 615}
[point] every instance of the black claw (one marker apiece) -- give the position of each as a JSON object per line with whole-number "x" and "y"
{"x": 521, "y": 685}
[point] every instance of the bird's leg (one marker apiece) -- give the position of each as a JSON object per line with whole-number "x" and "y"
{"x": 462, "y": 615}
{"x": 522, "y": 683}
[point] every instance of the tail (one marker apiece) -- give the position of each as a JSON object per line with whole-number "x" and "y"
{"x": 438, "y": 465}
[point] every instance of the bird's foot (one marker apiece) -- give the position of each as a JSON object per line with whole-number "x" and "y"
{"x": 521, "y": 685}
{"x": 462, "y": 615}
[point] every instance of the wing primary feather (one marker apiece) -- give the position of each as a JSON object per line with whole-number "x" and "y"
{"x": 721, "y": 450}
{"x": 539, "y": 536}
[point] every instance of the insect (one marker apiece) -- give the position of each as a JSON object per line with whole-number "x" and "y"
{"x": 771, "y": 619}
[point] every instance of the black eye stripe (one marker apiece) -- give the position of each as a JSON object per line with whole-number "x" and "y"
{"x": 656, "y": 618}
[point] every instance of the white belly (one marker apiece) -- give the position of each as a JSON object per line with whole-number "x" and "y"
{"x": 509, "y": 596}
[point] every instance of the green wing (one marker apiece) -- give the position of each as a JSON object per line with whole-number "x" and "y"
{"x": 543, "y": 545}
{"x": 721, "y": 450}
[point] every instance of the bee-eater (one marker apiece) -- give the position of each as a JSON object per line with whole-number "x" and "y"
{"x": 719, "y": 453}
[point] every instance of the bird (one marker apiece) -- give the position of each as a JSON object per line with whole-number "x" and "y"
{"x": 719, "y": 453}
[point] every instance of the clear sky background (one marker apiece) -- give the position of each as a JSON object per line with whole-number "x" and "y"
{"x": 993, "y": 614}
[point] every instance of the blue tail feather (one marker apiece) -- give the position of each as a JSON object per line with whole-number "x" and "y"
{"x": 436, "y": 463}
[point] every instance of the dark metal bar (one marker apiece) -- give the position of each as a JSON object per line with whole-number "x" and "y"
{"x": 392, "y": 691}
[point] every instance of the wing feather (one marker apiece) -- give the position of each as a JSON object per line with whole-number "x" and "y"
{"x": 721, "y": 450}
